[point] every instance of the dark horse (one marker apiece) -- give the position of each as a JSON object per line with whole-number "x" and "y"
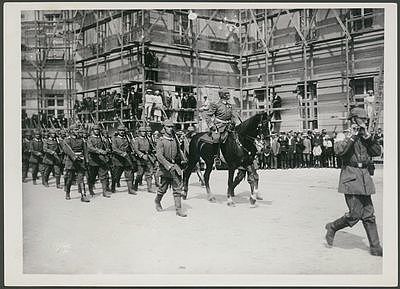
{"x": 238, "y": 150}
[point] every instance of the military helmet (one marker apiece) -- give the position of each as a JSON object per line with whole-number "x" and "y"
{"x": 96, "y": 126}
{"x": 223, "y": 92}
{"x": 168, "y": 123}
{"x": 37, "y": 132}
{"x": 142, "y": 129}
{"x": 191, "y": 128}
{"x": 27, "y": 132}
{"x": 52, "y": 131}
{"x": 357, "y": 112}
{"x": 148, "y": 128}
{"x": 122, "y": 127}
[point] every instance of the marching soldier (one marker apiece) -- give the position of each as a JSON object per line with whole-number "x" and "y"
{"x": 25, "y": 154}
{"x": 122, "y": 159}
{"x": 142, "y": 149}
{"x": 356, "y": 150}
{"x": 219, "y": 117}
{"x": 75, "y": 164}
{"x": 98, "y": 161}
{"x": 52, "y": 160}
{"x": 167, "y": 153}
{"x": 36, "y": 158}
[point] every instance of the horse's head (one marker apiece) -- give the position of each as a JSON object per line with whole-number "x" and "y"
{"x": 256, "y": 125}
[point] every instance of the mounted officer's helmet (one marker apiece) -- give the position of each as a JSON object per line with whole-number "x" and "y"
{"x": 223, "y": 93}
{"x": 96, "y": 126}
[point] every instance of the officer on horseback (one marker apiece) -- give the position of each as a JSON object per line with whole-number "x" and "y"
{"x": 219, "y": 118}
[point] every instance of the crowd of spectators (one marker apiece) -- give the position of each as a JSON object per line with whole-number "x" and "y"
{"x": 287, "y": 150}
{"x": 180, "y": 106}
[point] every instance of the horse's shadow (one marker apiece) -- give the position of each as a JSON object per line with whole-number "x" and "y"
{"x": 346, "y": 240}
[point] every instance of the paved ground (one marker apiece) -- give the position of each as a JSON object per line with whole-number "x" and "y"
{"x": 284, "y": 234}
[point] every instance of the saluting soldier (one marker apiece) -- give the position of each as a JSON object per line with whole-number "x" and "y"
{"x": 219, "y": 117}
{"x": 167, "y": 153}
{"x": 52, "y": 160}
{"x": 26, "y": 138}
{"x": 142, "y": 149}
{"x": 75, "y": 163}
{"x": 122, "y": 159}
{"x": 356, "y": 149}
{"x": 36, "y": 157}
{"x": 98, "y": 161}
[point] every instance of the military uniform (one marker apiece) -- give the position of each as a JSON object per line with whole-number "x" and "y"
{"x": 52, "y": 160}
{"x": 142, "y": 149}
{"x": 36, "y": 157}
{"x": 25, "y": 155}
{"x": 356, "y": 183}
{"x": 75, "y": 163}
{"x": 223, "y": 116}
{"x": 98, "y": 162}
{"x": 168, "y": 156}
{"x": 122, "y": 160}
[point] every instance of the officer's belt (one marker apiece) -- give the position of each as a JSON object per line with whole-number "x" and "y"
{"x": 223, "y": 121}
{"x": 360, "y": 165}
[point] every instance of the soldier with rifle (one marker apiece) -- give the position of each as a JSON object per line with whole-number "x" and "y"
{"x": 144, "y": 150}
{"x": 122, "y": 159}
{"x": 51, "y": 160}
{"x": 75, "y": 149}
{"x": 25, "y": 154}
{"x": 36, "y": 157}
{"x": 98, "y": 161}
{"x": 170, "y": 158}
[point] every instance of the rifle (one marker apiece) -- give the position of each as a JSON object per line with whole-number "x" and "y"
{"x": 128, "y": 158}
{"x": 105, "y": 141}
{"x": 55, "y": 156}
{"x": 181, "y": 153}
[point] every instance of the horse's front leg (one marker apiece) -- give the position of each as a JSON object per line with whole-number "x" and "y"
{"x": 207, "y": 174}
{"x": 231, "y": 172}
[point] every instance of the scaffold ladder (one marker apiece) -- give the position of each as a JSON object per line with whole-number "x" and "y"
{"x": 378, "y": 102}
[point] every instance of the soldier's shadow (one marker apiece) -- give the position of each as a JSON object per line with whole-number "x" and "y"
{"x": 204, "y": 196}
{"x": 246, "y": 195}
{"x": 346, "y": 240}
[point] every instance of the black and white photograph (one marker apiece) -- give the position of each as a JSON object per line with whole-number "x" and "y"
{"x": 200, "y": 144}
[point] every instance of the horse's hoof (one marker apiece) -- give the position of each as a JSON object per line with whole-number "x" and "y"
{"x": 252, "y": 201}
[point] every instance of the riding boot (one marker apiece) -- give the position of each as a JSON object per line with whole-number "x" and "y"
{"x": 104, "y": 188}
{"x": 149, "y": 186}
{"x": 178, "y": 207}
{"x": 83, "y": 195}
{"x": 373, "y": 238}
{"x": 157, "y": 201}
{"x": 217, "y": 159}
{"x": 34, "y": 182}
{"x": 91, "y": 189}
{"x": 130, "y": 188}
{"x": 333, "y": 227}
{"x": 58, "y": 186}
{"x": 118, "y": 184}
{"x": 45, "y": 181}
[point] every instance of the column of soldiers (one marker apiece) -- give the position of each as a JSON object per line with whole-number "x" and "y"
{"x": 79, "y": 156}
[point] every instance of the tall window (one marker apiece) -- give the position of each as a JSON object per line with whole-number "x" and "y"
{"x": 360, "y": 89}
{"x": 181, "y": 24}
{"x": 55, "y": 104}
{"x": 361, "y": 19}
{"x": 308, "y": 103}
